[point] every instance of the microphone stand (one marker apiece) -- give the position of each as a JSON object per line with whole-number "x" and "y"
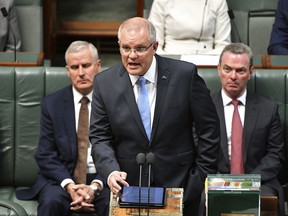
{"x": 149, "y": 176}
{"x": 232, "y": 16}
{"x": 150, "y": 160}
{"x": 140, "y": 159}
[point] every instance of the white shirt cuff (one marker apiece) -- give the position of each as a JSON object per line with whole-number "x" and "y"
{"x": 66, "y": 182}
{"x": 99, "y": 182}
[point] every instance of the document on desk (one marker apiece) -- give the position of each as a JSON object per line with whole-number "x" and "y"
{"x": 201, "y": 60}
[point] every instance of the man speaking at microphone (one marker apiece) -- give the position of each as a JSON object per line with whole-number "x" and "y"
{"x": 151, "y": 104}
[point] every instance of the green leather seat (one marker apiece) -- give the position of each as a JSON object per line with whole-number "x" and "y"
{"x": 21, "y": 92}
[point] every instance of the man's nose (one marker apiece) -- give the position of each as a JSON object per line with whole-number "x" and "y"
{"x": 233, "y": 74}
{"x": 81, "y": 71}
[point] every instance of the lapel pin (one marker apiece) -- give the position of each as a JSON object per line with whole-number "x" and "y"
{"x": 164, "y": 77}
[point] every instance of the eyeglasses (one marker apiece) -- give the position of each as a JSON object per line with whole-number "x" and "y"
{"x": 137, "y": 50}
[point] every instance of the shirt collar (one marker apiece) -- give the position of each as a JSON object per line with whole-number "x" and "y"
{"x": 227, "y": 100}
{"x": 150, "y": 75}
{"x": 77, "y": 95}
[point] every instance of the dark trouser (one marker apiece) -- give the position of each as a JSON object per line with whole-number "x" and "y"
{"x": 54, "y": 200}
{"x": 191, "y": 209}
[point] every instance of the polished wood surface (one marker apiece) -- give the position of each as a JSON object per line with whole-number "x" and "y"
{"x": 173, "y": 207}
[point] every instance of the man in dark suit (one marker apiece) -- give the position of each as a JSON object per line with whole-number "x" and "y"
{"x": 57, "y": 190}
{"x": 279, "y": 36}
{"x": 262, "y": 140}
{"x": 178, "y": 99}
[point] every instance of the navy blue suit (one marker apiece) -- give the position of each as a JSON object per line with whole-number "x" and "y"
{"x": 279, "y": 36}
{"x": 56, "y": 154}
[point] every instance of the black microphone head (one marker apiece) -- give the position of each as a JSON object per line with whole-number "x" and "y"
{"x": 150, "y": 158}
{"x": 4, "y": 11}
{"x": 140, "y": 158}
{"x": 231, "y": 14}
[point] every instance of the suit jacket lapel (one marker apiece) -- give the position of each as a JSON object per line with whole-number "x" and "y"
{"x": 162, "y": 85}
{"x": 251, "y": 115}
{"x": 129, "y": 97}
{"x": 69, "y": 119}
{"x": 220, "y": 111}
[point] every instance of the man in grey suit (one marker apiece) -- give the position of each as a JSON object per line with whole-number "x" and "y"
{"x": 178, "y": 99}
{"x": 262, "y": 143}
{"x": 9, "y": 27}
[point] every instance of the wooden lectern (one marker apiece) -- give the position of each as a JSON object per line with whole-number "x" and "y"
{"x": 173, "y": 207}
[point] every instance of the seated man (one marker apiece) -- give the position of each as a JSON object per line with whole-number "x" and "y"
{"x": 64, "y": 183}
{"x": 251, "y": 137}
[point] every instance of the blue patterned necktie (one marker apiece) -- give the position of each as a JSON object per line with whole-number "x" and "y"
{"x": 143, "y": 105}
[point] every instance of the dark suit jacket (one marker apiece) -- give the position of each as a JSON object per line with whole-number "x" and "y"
{"x": 279, "y": 35}
{"x": 263, "y": 143}
{"x": 56, "y": 154}
{"x": 117, "y": 133}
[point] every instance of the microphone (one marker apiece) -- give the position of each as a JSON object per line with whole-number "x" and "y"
{"x": 150, "y": 160}
{"x": 232, "y": 16}
{"x": 5, "y": 14}
{"x": 140, "y": 159}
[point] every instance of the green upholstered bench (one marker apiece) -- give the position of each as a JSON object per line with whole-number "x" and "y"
{"x": 21, "y": 91}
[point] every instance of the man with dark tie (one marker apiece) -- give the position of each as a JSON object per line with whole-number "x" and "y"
{"x": 251, "y": 133}
{"x": 67, "y": 180}
{"x": 150, "y": 104}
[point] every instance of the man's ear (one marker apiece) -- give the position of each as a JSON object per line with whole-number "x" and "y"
{"x": 155, "y": 46}
{"x": 251, "y": 72}
{"x": 219, "y": 68}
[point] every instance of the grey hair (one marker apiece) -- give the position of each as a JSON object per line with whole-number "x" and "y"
{"x": 78, "y": 46}
{"x": 238, "y": 48}
{"x": 137, "y": 26}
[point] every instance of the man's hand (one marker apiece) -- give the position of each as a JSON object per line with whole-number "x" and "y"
{"x": 82, "y": 197}
{"x": 116, "y": 180}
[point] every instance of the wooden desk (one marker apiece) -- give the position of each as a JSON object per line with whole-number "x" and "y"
{"x": 174, "y": 205}
{"x": 23, "y": 59}
{"x": 269, "y": 206}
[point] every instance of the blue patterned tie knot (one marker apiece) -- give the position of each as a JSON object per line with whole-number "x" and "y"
{"x": 143, "y": 105}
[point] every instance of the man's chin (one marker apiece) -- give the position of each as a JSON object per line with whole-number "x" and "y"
{"x": 134, "y": 71}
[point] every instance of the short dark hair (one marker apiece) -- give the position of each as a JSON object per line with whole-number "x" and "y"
{"x": 238, "y": 48}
